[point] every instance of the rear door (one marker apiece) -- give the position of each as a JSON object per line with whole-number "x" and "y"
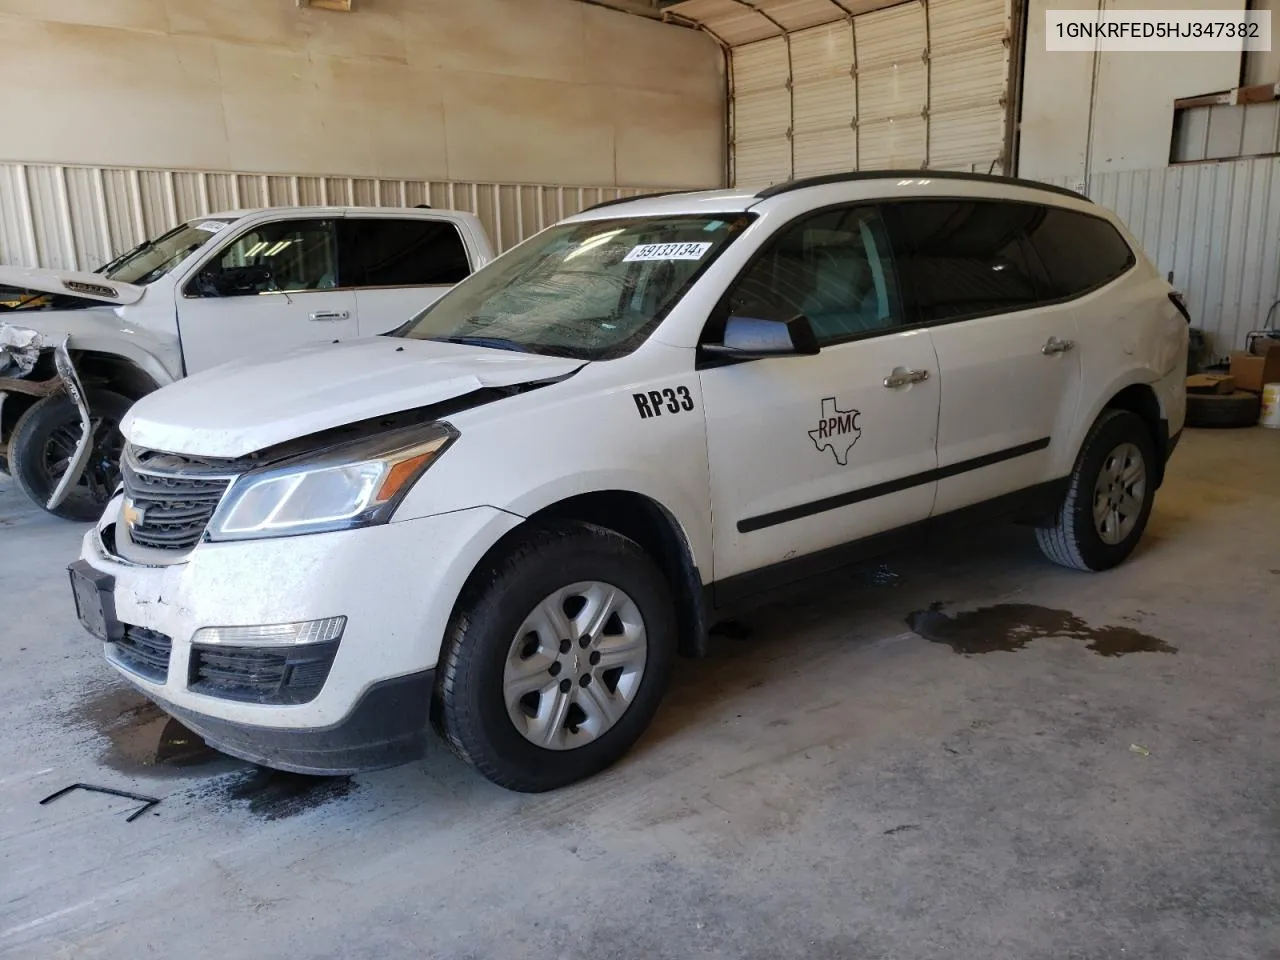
{"x": 269, "y": 287}
{"x": 812, "y": 452}
{"x": 399, "y": 265}
{"x": 1009, "y": 370}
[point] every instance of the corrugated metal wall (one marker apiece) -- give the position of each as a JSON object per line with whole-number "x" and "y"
{"x": 79, "y": 217}
{"x": 1216, "y": 226}
{"x": 918, "y": 85}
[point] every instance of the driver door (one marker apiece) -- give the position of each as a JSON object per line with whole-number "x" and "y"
{"x": 272, "y": 287}
{"x": 810, "y": 453}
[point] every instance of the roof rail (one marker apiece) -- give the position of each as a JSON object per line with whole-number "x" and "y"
{"x": 638, "y": 196}
{"x": 852, "y": 176}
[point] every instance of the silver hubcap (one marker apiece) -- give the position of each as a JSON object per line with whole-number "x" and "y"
{"x": 1119, "y": 493}
{"x": 575, "y": 665}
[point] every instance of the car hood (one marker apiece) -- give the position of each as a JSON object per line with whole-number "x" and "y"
{"x": 251, "y": 404}
{"x": 77, "y": 283}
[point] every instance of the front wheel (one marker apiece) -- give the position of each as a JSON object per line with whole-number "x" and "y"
{"x": 1109, "y": 496}
{"x": 44, "y": 440}
{"x": 556, "y": 660}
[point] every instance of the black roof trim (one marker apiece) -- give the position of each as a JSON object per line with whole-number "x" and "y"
{"x": 852, "y": 176}
{"x": 638, "y": 196}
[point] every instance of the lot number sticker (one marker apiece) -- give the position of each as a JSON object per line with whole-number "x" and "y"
{"x": 668, "y": 251}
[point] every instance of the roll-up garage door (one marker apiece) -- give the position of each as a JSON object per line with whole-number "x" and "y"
{"x": 824, "y": 86}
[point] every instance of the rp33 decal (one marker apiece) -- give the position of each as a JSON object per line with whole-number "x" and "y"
{"x": 837, "y": 430}
{"x": 655, "y": 403}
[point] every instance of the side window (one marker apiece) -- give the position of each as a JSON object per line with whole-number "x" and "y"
{"x": 286, "y": 256}
{"x": 1080, "y": 252}
{"x": 961, "y": 258}
{"x": 384, "y": 252}
{"x": 833, "y": 267}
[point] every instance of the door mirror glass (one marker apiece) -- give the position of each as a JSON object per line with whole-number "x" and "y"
{"x": 753, "y": 337}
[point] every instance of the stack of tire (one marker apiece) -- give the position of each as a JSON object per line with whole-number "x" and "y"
{"x": 1239, "y": 408}
{"x": 1214, "y": 400}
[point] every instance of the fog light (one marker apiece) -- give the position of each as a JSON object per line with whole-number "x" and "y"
{"x": 274, "y": 634}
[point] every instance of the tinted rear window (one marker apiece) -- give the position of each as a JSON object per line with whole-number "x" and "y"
{"x": 960, "y": 258}
{"x": 1079, "y": 252}
{"x": 402, "y": 253}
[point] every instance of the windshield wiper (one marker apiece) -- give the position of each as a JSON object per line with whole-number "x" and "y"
{"x": 141, "y": 248}
{"x": 495, "y": 343}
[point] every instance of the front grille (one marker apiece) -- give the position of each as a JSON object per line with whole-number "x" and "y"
{"x": 144, "y": 652}
{"x": 292, "y": 674}
{"x": 171, "y": 498}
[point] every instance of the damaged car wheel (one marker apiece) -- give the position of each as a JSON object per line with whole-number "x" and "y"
{"x": 44, "y": 441}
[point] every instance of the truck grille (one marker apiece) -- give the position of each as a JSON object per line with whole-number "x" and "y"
{"x": 144, "y": 652}
{"x": 171, "y": 497}
{"x": 292, "y": 674}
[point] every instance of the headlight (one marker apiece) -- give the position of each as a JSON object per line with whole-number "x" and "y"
{"x": 352, "y": 485}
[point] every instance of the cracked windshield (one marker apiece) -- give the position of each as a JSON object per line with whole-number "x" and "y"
{"x": 591, "y": 290}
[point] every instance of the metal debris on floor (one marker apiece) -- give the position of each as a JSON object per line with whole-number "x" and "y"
{"x": 147, "y": 802}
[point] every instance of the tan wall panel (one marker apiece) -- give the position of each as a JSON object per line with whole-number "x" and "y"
{"x": 527, "y": 38}
{"x": 501, "y": 90}
{"x": 69, "y": 89}
{"x": 550, "y": 131}
{"x": 654, "y": 132}
{"x": 131, "y": 14}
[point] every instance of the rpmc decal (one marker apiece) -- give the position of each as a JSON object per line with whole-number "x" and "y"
{"x": 837, "y": 430}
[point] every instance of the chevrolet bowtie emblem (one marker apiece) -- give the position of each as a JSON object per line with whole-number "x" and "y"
{"x": 133, "y": 515}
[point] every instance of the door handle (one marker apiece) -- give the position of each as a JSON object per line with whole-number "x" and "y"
{"x": 900, "y": 377}
{"x": 331, "y": 315}
{"x": 1054, "y": 345}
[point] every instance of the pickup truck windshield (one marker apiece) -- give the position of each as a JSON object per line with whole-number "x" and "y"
{"x": 592, "y": 290}
{"x": 151, "y": 260}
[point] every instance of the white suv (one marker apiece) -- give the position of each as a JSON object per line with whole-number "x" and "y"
{"x": 508, "y": 516}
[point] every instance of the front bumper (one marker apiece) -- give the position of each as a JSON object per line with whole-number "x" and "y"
{"x": 386, "y": 727}
{"x": 396, "y": 584}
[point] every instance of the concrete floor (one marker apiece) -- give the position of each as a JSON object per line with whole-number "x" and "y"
{"x": 831, "y": 784}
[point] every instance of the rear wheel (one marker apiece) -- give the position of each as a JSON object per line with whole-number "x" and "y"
{"x": 1109, "y": 496}
{"x": 43, "y": 443}
{"x": 555, "y": 663}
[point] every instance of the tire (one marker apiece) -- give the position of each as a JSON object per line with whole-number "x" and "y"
{"x": 1118, "y": 440}
{"x": 44, "y": 438}
{"x": 496, "y": 633}
{"x": 1238, "y": 409}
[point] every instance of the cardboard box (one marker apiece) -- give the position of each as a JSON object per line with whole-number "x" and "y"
{"x": 1211, "y": 383}
{"x": 1253, "y": 373}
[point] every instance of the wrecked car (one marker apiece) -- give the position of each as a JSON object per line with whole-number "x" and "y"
{"x": 78, "y": 349}
{"x": 507, "y": 517}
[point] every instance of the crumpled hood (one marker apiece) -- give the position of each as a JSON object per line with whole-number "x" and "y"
{"x": 77, "y": 283}
{"x": 19, "y": 350}
{"x": 251, "y": 404}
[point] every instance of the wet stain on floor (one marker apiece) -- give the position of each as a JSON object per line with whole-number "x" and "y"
{"x": 1011, "y": 626}
{"x": 142, "y": 737}
{"x": 139, "y": 734}
{"x": 275, "y": 795}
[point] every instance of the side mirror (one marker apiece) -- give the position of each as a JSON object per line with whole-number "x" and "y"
{"x": 751, "y": 338}
{"x": 234, "y": 281}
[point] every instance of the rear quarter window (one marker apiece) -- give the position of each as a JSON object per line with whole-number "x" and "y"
{"x": 386, "y": 252}
{"x": 1080, "y": 252}
{"x": 965, "y": 258}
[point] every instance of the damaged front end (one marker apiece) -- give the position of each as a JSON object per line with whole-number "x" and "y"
{"x": 23, "y": 372}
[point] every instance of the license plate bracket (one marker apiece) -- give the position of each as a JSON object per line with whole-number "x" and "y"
{"x": 94, "y": 593}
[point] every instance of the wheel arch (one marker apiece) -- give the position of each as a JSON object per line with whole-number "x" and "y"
{"x": 1141, "y": 399}
{"x": 648, "y": 523}
{"x": 118, "y": 374}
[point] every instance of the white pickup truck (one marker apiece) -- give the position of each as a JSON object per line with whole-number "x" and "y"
{"x": 77, "y": 349}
